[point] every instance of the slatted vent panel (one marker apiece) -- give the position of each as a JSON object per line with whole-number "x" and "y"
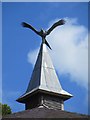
{"x": 53, "y": 104}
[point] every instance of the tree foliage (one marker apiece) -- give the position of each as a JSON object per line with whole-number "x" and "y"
{"x": 0, "y": 109}
{"x": 5, "y": 109}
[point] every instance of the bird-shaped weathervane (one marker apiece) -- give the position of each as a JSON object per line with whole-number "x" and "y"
{"x": 43, "y": 33}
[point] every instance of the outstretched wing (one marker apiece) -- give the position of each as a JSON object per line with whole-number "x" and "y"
{"x": 60, "y": 22}
{"x": 30, "y": 27}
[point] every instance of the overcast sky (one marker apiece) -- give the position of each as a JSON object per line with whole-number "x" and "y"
{"x": 69, "y": 49}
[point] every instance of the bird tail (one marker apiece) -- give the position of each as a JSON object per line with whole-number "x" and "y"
{"x": 47, "y": 44}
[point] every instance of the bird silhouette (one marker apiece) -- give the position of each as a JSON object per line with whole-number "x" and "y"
{"x": 42, "y": 32}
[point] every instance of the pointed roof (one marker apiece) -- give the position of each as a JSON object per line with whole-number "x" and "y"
{"x": 44, "y": 77}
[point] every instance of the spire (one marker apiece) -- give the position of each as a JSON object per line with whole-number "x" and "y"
{"x": 44, "y": 79}
{"x": 44, "y": 75}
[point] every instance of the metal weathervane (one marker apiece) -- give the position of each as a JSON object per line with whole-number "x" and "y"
{"x": 42, "y": 32}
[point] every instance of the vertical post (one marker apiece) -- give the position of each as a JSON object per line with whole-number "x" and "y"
{"x": 62, "y": 105}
